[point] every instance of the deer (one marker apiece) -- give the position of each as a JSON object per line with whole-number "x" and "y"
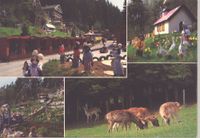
{"x": 89, "y": 112}
{"x": 169, "y": 111}
{"x": 144, "y": 115}
{"x": 122, "y": 117}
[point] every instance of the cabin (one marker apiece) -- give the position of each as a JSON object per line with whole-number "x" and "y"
{"x": 171, "y": 21}
{"x": 94, "y": 36}
{"x": 55, "y": 15}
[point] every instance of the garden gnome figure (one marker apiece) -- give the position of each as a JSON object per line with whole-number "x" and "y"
{"x": 140, "y": 46}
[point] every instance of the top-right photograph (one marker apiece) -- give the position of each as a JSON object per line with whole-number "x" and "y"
{"x": 162, "y": 31}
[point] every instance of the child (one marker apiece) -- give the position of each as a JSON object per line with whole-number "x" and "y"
{"x": 34, "y": 69}
{"x": 87, "y": 59}
{"x": 75, "y": 62}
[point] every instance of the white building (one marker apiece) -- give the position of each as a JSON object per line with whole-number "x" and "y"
{"x": 171, "y": 21}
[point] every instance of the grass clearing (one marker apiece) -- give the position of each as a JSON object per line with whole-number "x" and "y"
{"x": 33, "y": 30}
{"x": 187, "y": 128}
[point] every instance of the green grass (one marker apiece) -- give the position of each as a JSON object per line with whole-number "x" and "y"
{"x": 52, "y": 68}
{"x": 187, "y": 128}
{"x": 34, "y": 31}
{"x": 8, "y": 31}
{"x": 165, "y": 42}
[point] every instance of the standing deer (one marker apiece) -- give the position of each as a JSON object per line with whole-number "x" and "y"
{"x": 169, "y": 111}
{"x": 90, "y": 112}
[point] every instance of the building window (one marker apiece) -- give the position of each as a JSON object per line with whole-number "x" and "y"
{"x": 161, "y": 27}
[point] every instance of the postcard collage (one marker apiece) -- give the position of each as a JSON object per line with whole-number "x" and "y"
{"x": 98, "y": 68}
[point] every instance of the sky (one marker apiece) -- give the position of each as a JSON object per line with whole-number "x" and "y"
{"x": 118, "y": 3}
{"x": 5, "y": 81}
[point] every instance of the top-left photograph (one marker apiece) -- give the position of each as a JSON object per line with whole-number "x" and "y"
{"x": 63, "y": 38}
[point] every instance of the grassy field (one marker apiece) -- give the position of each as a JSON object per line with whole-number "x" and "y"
{"x": 165, "y": 41}
{"x": 34, "y": 31}
{"x": 187, "y": 128}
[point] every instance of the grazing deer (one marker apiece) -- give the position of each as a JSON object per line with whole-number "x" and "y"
{"x": 144, "y": 115}
{"x": 122, "y": 117}
{"x": 90, "y": 112}
{"x": 169, "y": 111}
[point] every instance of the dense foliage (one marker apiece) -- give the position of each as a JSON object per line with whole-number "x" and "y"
{"x": 141, "y": 77}
{"x": 88, "y": 13}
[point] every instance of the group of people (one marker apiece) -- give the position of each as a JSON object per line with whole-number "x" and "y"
{"x": 34, "y": 66}
{"x": 87, "y": 56}
{"x": 87, "y": 60}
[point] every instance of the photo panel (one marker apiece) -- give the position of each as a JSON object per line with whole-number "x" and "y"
{"x": 31, "y": 107}
{"x": 162, "y": 31}
{"x": 63, "y": 38}
{"x": 158, "y": 100}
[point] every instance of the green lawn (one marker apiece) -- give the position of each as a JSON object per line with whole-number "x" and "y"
{"x": 187, "y": 128}
{"x": 34, "y": 31}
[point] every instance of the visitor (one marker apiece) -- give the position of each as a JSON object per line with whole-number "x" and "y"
{"x": 25, "y": 68}
{"x": 40, "y": 57}
{"x": 34, "y": 54}
{"x": 87, "y": 59}
{"x": 34, "y": 69}
{"x": 62, "y": 53}
{"x": 103, "y": 41}
{"x": 75, "y": 62}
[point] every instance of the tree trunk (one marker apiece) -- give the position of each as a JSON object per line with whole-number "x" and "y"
{"x": 77, "y": 110}
{"x": 107, "y": 106}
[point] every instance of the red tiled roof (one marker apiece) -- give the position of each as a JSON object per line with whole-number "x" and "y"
{"x": 167, "y": 15}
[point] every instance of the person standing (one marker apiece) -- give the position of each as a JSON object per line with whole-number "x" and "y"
{"x": 116, "y": 62}
{"x": 87, "y": 59}
{"x": 62, "y": 53}
{"x": 75, "y": 62}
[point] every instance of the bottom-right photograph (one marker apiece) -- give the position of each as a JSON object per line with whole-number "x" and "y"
{"x": 156, "y": 100}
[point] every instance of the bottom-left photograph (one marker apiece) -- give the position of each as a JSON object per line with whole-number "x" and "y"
{"x": 31, "y": 107}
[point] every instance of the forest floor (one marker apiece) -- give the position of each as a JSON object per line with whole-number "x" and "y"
{"x": 186, "y": 128}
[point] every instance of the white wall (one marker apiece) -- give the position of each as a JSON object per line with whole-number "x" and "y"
{"x": 173, "y": 24}
{"x": 180, "y": 16}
